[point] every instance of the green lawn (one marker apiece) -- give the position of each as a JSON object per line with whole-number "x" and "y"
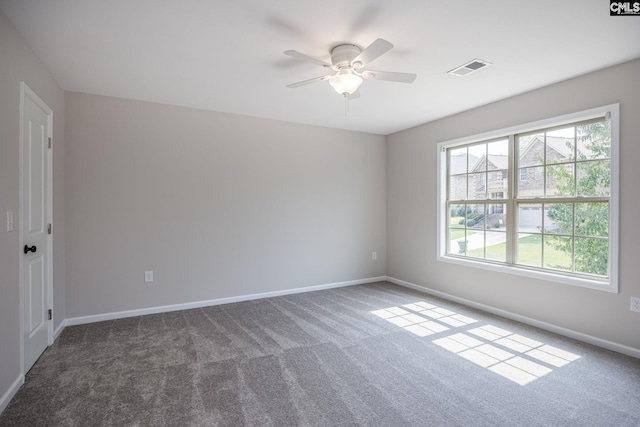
{"x": 457, "y": 233}
{"x": 455, "y": 220}
{"x": 529, "y": 253}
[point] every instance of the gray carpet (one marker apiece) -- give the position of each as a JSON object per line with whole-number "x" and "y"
{"x": 370, "y": 355}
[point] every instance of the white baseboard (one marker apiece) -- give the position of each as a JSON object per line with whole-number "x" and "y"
{"x": 59, "y": 329}
{"x": 198, "y": 304}
{"x": 6, "y": 398}
{"x": 609, "y": 345}
{"x": 4, "y": 402}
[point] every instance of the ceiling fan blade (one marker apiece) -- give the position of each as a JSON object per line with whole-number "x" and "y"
{"x": 308, "y": 82}
{"x": 373, "y": 51}
{"x": 302, "y": 56}
{"x": 390, "y": 76}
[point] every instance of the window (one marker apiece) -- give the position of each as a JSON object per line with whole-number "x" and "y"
{"x": 555, "y": 220}
{"x": 539, "y": 173}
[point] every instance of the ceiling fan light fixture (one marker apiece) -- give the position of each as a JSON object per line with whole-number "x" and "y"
{"x": 346, "y": 82}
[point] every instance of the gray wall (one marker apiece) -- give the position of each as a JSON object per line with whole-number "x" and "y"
{"x": 17, "y": 62}
{"x": 412, "y": 210}
{"x": 222, "y": 205}
{"x": 217, "y": 205}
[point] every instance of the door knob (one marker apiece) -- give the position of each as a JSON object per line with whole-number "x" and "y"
{"x": 28, "y": 249}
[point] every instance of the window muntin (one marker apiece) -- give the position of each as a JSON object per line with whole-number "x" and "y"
{"x": 572, "y": 237}
{"x": 479, "y": 222}
{"x": 583, "y": 184}
{"x": 563, "y": 171}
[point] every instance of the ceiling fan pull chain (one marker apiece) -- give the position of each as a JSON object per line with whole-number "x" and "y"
{"x": 346, "y": 104}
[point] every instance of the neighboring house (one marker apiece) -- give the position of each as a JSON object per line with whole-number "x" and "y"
{"x": 458, "y": 165}
{"x": 532, "y": 159}
{"x": 488, "y": 174}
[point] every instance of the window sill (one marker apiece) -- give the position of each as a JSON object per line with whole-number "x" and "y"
{"x": 599, "y": 285}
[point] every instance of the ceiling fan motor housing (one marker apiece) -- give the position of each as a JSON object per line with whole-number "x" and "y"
{"x": 342, "y": 55}
{"x": 349, "y": 61}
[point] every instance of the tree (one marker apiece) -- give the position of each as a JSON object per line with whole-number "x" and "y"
{"x": 591, "y": 220}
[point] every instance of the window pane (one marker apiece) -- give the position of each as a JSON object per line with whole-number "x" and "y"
{"x": 558, "y": 218}
{"x": 498, "y": 195}
{"x": 528, "y": 185}
{"x": 592, "y": 219}
{"x": 591, "y": 256}
{"x": 558, "y": 252}
{"x": 531, "y": 150}
{"x": 561, "y": 145}
{"x": 457, "y": 233}
{"x": 456, "y": 216}
{"x": 458, "y": 187}
{"x": 478, "y": 158}
{"x": 594, "y": 178}
{"x": 498, "y": 184}
{"x": 530, "y": 249}
{"x": 477, "y": 186}
{"x": 475, "y": 244}
{"x": 475, "y": 217}
{"x": 594, "y": 140}
{"x": 538, "y": 173}
{"x": 499, "y": 148}
{"x": 530, "y": 218}
{"x": 498, "y": 160}
{"x": 496, "y": 216}
{"x": 560, "y": 181}
{"x": 457, "y": 161}
{"x": 457, "y": 241}
{"x": 496, "y": 246}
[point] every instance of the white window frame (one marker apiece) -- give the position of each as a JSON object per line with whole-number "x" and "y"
{"x": 612, "y": 112}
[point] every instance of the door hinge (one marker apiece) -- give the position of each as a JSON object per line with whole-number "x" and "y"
{"x": 49, "y": 229}
{"x": 50, "y": 314}
{"x": 49, "y": 142}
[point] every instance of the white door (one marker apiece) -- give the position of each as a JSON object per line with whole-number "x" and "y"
{"x": 36, "y": 122}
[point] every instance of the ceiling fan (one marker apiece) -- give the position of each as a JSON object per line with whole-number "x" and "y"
{"x": 348, "y": 62}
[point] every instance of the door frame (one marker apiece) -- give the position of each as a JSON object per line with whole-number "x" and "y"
{"x": 25, "y": 91}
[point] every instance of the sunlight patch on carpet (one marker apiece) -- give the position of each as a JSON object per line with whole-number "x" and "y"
{"x": 513, "y": 356}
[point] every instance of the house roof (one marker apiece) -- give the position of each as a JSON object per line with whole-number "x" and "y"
{"x": 458, "y": 163}
{"x": 499, "y": 161}
{"x": 563, "y": 146}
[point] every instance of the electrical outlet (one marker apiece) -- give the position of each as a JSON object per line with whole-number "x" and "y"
{"x": 148, "y": 276}
{"x": 374, "y": 255}
{"x": 635, "y": 304}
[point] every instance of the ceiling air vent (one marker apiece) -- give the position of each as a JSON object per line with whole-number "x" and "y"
{"x": 469, "y": 67}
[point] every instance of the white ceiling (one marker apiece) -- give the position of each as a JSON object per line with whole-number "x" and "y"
{"x": 227, "y": 55}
